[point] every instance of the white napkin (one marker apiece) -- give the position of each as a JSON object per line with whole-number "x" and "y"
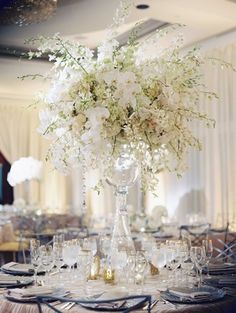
{"x": 188, "y": 293}
{"x": 108, "y": 295}
{"x": 31, "y": 292}
{"x": 8, "y": 280}
{"x": 221, "y": 266}
{"x": 228, "y": 280}
{"x": 16, "y": 267}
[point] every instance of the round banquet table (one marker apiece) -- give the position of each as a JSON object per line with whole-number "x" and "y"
{"x": 92, "y": 287}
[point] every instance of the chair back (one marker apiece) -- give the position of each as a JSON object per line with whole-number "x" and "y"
{"x": 228, "y": 254}
{"x": 195, "y": 233}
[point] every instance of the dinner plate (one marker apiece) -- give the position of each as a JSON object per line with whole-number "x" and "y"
{"x": 21, "y": 272}
{"x": 116, "y": 306}
{"x": 215, "y": 295}
{"x": 59, "y": 293}
{"x": 221, "y": 269}
{"x": 220, "y": 282}
{"x": 18, "y": 284}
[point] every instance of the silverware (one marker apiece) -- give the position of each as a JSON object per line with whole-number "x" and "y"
{"x": 65, "y": 305}
{"x": 71, "y": 304}
{"x": 168, "y": 302}
{"x": 153, "y": 303}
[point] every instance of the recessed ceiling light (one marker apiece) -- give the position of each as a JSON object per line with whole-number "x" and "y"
{"x": 142, "y": 6}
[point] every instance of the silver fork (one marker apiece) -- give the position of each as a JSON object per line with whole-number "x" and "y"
{"x": 70, "y": 305}
{"x": 153, "y": 303}
{"x": 64, "y": 306}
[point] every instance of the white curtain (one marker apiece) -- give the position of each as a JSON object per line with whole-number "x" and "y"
{"x": 208, "y": 187}
{"x": 19, "y": 138}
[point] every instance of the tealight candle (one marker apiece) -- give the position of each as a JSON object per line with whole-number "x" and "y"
{"x": 109, "y": 275}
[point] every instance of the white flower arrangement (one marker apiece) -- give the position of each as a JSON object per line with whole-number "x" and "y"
{"x": 156, "y": 215}
{"x": 94, "y": 105}
{"x": 24, "y": 169}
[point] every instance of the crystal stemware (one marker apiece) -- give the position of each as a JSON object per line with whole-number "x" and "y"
{"x": 70, "y": 252}
{"x": 35, "y": 255}
{"x": 207, "y": 244}
{"x": 140, "y": 267}
{"x": 47, "y": 259}
{"x": 197, "y": 255}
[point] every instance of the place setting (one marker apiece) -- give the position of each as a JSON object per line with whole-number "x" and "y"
{"x": 204, "y": 294}
{"x": 30, "y": 295}
{"x": 9, "y": 281}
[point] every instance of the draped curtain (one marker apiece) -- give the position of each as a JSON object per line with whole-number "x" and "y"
{"x": 19, "y": 138}
{"x": 207, "y": 188}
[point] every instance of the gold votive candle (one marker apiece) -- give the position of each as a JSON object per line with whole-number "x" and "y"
{"x": 95, "y": 268}
{"x": 153, "y": 269}
{"x": 109, "y": 275}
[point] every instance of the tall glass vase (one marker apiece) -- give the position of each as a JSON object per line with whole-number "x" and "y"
{"x": 122, "y": 176}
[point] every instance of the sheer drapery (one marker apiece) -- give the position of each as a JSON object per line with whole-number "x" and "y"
{"x": 19, "y": 138}
{"x": 207, "y": 188}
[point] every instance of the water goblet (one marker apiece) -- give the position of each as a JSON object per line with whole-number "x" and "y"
{"x": 140, "y": 268}
{"x": 70, "y": 253}
{"x": 84, "y": 263}
{"x": 47, "y": 259}
{"x": 105, "y": 245}
{"x": 120, "y": 263}
{"x": 90, "y": 244}
{"x": 130, "y": 267}
{"x": 198, "y": 258}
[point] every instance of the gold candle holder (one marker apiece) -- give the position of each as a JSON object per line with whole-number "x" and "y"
{"x": 153, "y": 269}
{"x": 95, "y": 268}
{"x": 109, "y": 275}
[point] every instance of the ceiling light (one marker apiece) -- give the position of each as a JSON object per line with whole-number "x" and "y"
{"x": 26, "y": 12}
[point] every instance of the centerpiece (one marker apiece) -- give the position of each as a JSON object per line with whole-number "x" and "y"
{"x": 25, "y": 170}
{"x": 120, "y": 112}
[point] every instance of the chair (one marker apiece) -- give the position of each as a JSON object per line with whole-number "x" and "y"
{"x": 195, "y": 233}
{"x": 46, "y": 300}
{"x": 228, "y": 254}
{"x": 220, "y": 237}
{"x": 14, "y": 248}
{"x": 11, "y": 247}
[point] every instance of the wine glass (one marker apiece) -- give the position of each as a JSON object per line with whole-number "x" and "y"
{"x": 105, "y": 245}
{"x": 197, "y": 255}
{"x": 70, "y": 252}
{"x": 58, "y": 256}
{"x": 159, "y": 258}
{"x": 90, "y": 244}
{"x": 84, "y": 262}
{"x": 120, "y": 263}
{"x": 35, "y": 255}
{"x": 130, "y": 267}
{"x": 140, "y": 267}
{"x": 47, "y": 259}
{"x": 207, "y": 244}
